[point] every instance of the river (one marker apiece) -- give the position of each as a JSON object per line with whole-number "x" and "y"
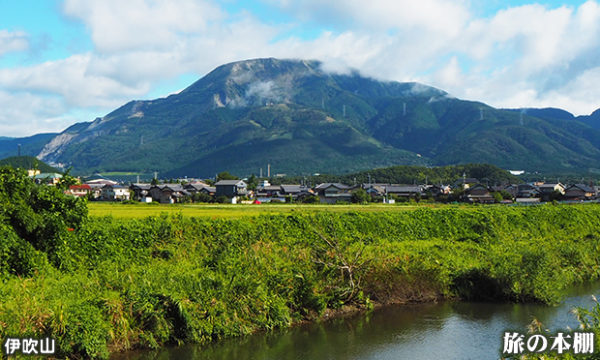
{"x": 446, "y": 330}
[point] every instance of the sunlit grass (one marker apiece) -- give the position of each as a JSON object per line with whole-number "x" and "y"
{"x": 141, "y": 210}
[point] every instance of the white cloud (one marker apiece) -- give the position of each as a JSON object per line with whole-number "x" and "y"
{"x": 69, "y": 79}
{"x": 117, "y": 26}
{"x": 13, "y": 41}
{"x": 40, "y": 112}
{"x": 440, "y": 16}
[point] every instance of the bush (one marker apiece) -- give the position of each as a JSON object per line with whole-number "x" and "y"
{"x": 40, "y": 215}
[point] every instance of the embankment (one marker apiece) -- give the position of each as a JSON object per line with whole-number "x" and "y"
{"x": 115, "y": 284}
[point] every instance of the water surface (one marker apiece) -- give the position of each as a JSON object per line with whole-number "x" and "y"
{"x": 447, "y": 330}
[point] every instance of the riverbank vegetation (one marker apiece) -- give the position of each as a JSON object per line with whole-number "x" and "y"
{"x": 101, "y": 284}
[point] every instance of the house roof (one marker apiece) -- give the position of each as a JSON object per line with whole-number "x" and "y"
{"x": 403, "y": 189}
{"x": 583, "y": 187}
{"x": 196, "y": 186}
{"x": 269, "y": 188}
{"x": 527, "y": 187}
{"x": 114, "y": 186}
{"x": 291, "y": 188}
{"x": 48, "y": 175}
{"x": 80, "y": 187}
{"x": 550, "y": 185}
{"x": 101, "y": 181}
{"x": 336, "y": 185}
{"x": 174, "y": 187}
{"x": 141, "y": 186}
{"x": 229, "y": 182}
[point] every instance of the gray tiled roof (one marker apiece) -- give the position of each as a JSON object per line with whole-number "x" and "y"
{"x": 228, "y": 182}
{"x": 337, "y": 185}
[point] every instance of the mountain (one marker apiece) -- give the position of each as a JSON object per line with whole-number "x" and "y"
{"x": 31, "y": 145}
{"x": 28, "y": 162}
{"x": 592, "y": 120}
{"x": 300, "y": 119}
{"x": 546, "y": 113}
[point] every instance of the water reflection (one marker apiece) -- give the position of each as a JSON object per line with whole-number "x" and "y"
{"x": 449, "y": 330}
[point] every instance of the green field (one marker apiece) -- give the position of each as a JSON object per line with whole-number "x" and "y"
{"x": 136, "y": 211}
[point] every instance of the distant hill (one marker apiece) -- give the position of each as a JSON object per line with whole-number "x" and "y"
{"x": 31, "y": 145}
{"x": 592, "y": 120}
{"x": 300, "y": 119}
{"x": 28, "y": 162}
{"x": 485, "y": 173}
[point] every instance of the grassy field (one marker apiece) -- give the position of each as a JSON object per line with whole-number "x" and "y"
{"x": 133, "y": 211}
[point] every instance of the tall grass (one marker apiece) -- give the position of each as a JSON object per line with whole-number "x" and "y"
{"x": 117, "y": 284}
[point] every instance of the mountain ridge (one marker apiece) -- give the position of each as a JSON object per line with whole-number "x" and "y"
{"x": 300, "y": 119}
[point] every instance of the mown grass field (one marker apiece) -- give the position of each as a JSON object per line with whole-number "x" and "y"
{"x": 137, "y": 211}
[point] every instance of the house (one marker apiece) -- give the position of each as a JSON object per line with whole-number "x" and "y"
{"x": 437, "y": 190}
{"x": 512, "y": 189}
{"x": 579, "y": 192}
{"x": 101, "y": 181}
{"x": 33, "y": 172}
{"x": 115, "y": 193}
{"x": 294, "y": 190}
{"x": 96, "y": 186}
{"x": 95, "y": 191}
{"x": 331, "y": 193}
{"x": 407, "y": 191}
{"x": 267, "y": 192}
{"x": 140, "y": 191}
{"x": 47, "y": 178}
{"x": 527, "y": 191}
{"x": 231, "y": 188}
{"x": 79, "y": 190}
{"x": 168, "y": 193}
{"x": 194, "y": 188}
{"x": 548, "y": 191}
{"x": 465, "y": 182}
{"x": 478, "y": 193}
{"x": 375, "y": 190}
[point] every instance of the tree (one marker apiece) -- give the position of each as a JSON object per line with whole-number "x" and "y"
{"x": 497, "y": 196}
{"x": 360, "y": 196}
{"x": 225, "y": 175}
{"x": 506, "y": 195}
{"x": 39, "y": 217}
{"x": 309, "y": 199}
{"x": 202, "y": 197}
{"x": 222, "y": 199}
{"x": 252, "y": 182}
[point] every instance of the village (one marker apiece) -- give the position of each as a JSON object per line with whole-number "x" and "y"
{"x": 239, "y": 191}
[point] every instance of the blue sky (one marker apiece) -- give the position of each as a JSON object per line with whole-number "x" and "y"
{"x": 67, "y": 61}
